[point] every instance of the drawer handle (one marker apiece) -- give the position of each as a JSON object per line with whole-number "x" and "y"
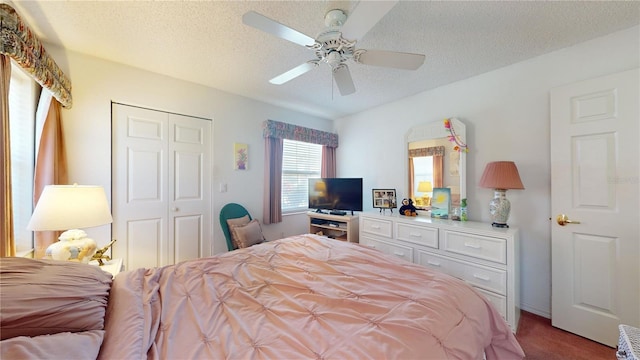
{"x": 433, "y": 263}
{"x": 377, "y": 227}
{"x": 371, "y": 246}
{"x": 473, "y": 246}
{"x": 482, "y": 277}
{"x": 415, "y": 234}
{"x": 398, "y": 253}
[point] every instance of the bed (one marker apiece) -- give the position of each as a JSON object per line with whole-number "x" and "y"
{"x": 301, "y": 297}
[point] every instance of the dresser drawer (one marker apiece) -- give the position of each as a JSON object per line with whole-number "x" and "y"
{"x": 404, "y": 252}
{"x": 498, "y": 301}
{"x": 418, "y": 235}
{"x": 477, "y": 246}
{"x": 377, "y": 227}
{"x": 483, "y": 277}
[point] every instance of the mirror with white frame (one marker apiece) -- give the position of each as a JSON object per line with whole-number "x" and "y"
{"x": 436, "y": 161}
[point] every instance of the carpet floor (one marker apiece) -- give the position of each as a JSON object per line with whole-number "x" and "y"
{"x": 541, "y": 341}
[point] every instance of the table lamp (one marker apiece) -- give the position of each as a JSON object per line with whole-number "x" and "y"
{"x": 425, "y": 187}
{"x": 500, "y": 176}
{"x": 64, "y": 207}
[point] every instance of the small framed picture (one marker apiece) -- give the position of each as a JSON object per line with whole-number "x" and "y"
{"x": 441, "y": 203}
{"x": 384, "y": 199}
{"x": 240, "y": 156}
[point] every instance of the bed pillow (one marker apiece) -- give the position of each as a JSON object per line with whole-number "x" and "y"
{"x": 39, "y": 297}
{"x": 241, "y": 221}
{"x": 247, "y": 235}
{"x": 82, "y": 345}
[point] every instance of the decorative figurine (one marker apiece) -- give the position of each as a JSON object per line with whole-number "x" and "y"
{"x": 407, "y": 208}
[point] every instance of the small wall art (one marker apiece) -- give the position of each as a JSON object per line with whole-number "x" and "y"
{"x": 441, "y": 203}
{"x": 384, "y": 199}
{"x": 240, "y": 156}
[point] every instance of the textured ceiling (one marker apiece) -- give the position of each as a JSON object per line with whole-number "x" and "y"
{"x": 206, "y": 42}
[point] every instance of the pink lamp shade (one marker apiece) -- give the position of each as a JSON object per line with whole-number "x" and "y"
{"x": 501, "y": 175}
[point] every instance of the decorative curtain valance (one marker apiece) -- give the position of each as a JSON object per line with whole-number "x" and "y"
{"x": 429, "y": 151}
{"x": 21, "y": 44}
{"x": 280, "y": 130}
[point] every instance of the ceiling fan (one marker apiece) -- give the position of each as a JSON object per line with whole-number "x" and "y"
{"x": 335, "y": 45}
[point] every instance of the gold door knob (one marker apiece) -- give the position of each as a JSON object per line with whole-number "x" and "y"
{"x": 563, "y": 220}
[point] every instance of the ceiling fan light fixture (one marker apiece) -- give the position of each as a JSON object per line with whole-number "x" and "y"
{"x": 333, "y": 58}
{"x": 332, "y": 46}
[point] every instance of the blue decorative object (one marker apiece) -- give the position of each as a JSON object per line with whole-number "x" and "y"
{"x": 441, "y": 203}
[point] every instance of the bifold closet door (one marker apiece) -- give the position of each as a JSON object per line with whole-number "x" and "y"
{"x": 161, "y": 186}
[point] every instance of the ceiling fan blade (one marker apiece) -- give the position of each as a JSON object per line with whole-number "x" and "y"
{"x": 364, "y": 17}
{"x": 398, "y": 60}
{"x": 342, "y": 77}
{"x": 273, "y": 27}
{"x": 293, "y": 73}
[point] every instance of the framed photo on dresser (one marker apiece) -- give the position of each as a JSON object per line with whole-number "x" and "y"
{"x": 384, "y": 199}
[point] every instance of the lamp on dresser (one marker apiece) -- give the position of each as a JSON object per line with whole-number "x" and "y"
{"x": 500, "y": 176}
{"x": 425, "y": 187}
{"x": 64, "y": 207}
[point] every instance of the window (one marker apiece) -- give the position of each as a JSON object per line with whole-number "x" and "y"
{"x": 423, "y": 171}
{"x": 22, "y": 127}
{"x": 300, "y": 162}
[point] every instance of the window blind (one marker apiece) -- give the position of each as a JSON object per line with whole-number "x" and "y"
{"x": 21, "y": 127}
{"x": 301, "y": 161}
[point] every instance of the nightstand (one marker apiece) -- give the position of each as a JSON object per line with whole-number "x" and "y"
{"x": 113, "y": 266}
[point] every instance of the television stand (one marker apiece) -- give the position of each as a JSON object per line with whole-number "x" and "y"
{"x": 341, "y": 227}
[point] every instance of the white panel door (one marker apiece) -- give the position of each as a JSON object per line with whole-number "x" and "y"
{"x": 161, "y": 187}
{"x": 189, "y": 187}
{"x": 595, "y": 177}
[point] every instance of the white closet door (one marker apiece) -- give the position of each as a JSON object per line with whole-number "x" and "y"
{"x": 189, "y": 187}
{"x": 161, "y": 187}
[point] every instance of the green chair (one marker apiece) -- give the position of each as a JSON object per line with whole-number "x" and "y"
{"x": 231, "y": 211}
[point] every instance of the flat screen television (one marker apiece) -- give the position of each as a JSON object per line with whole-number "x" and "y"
{"x": 335, "y": 194}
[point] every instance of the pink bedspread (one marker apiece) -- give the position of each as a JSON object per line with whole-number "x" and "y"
{"x": 301, "y": 297}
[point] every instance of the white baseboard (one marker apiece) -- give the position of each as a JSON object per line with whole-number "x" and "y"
{"x": 533, "y": 310}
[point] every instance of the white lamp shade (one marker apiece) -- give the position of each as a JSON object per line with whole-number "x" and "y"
{"x": 63, "y": 207}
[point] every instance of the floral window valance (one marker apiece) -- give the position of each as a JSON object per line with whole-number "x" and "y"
{"x": 276, "y": 129}
{"x": 21, "y": 44}
{"x": 428, "y": 151}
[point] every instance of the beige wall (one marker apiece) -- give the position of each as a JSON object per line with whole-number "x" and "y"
{"x": 87, "y": 129}
{"x": 506, "y": 113}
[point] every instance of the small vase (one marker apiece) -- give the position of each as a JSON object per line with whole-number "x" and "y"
{"x": 463, "y": 210}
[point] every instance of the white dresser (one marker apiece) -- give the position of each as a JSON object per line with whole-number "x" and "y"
{"x": 485, "y": 257}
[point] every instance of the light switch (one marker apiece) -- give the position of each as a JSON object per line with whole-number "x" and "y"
{"x": 223, "y": 187}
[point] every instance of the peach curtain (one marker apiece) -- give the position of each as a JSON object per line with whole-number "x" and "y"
{"x": 272, "y": 202}
{"x": 438, "y": 165}
{"x": 328, "y": 168}
{"x": 7, "y": 241}
{"x": 51, "y": 163}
